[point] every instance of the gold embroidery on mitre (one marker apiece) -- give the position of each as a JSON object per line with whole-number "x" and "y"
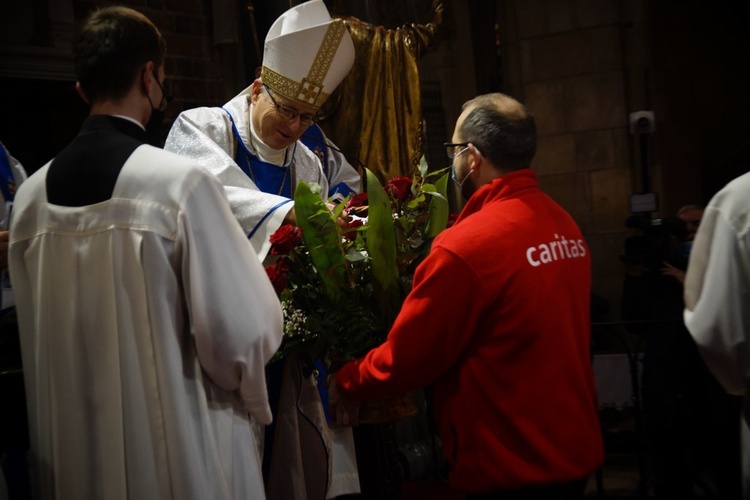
{"x": 310, "y": 90}
{"x": 279, "y": 83}
{"x": 312, "y": 84}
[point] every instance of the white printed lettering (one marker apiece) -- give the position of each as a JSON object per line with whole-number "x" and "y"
{"x": 529, "y": 256}
{"x": 560, "y": 249}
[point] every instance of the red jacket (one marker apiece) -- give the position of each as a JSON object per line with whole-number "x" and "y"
{"x": 498, "y": 321}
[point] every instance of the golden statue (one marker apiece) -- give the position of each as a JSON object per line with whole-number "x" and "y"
{"x": 375, "y": 114}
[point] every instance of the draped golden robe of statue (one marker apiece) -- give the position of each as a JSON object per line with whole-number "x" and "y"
{"x": 376, "y": 113}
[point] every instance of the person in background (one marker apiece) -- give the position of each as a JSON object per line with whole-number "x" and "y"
{"x": 688, "y": 416}
{"x": 511, "y": 338}
{"x": 144, "y": 341}
{"x": 717, "y": 295}
{"x": 13, "y": 434}
{"x": 691, "y": 216}
{"x": 12, "y": 175}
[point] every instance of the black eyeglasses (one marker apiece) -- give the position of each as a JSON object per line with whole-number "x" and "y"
{"x": 451, "y": 148}
{"x": 289, "y": 113}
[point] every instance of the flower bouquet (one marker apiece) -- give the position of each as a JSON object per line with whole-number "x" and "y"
{"x": 341, "y": 288}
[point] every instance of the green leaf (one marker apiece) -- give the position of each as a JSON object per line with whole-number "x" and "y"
{"x": 338, "y": 209}
{"x": 438, "y": 172}
{"x": 355, "y": 255}
{"x": 423, "y": 167}
{"x": 434, "y": 191}
{"x": 438, "y": 208}
{"x": 418, "y": 200}
{"x": 322, "y": 239}
{"x": 381, "y": 246}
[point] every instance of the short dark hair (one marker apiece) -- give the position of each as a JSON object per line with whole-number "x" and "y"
{"x": 110, "y": 48}
{"x": 501, "y": 129}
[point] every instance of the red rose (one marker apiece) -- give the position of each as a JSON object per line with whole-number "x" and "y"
{"x": 285, "y": 239}
{"x": 358, "y": 200}
{"x": 351, "y": 233}
{"x": 399, "y": 188}
{"x": 276, "y": 273}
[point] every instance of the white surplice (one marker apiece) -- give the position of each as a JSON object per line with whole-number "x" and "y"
{"x": 146, "y": 322}
{"x": 717, "y": 296}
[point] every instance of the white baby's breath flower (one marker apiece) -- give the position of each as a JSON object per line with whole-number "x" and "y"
{"x": 294, "y": 321}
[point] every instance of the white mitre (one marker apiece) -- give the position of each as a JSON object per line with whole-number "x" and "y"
{"x": 307, "y": 54}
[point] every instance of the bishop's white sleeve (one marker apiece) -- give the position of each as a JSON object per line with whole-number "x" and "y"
{"x": 235, "y": 314}
{"x": 717, "y": 298}
{"x": 205, "y": 135}
{"x": 343, "y": 178}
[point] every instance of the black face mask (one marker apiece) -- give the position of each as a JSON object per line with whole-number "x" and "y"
{"x": 153, "y": 126}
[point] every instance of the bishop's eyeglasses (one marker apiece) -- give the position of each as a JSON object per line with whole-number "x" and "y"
{"x": 289, "y": 113}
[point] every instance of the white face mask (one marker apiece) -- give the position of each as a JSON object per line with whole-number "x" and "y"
{"x": 453, "y": 170}
{"x": 460, "y": 183}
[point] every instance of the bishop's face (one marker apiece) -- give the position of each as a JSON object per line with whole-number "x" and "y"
{"x": 278, "y": 121}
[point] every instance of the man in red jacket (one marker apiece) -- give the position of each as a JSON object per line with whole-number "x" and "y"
{"x": 498, "y": 322}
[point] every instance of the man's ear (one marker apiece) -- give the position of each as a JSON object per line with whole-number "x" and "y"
{"x": 255, "y": 90}
{"x": 475, "y": 157}
{"x": 147, "y": 74}
{"x": 81, "y": 93}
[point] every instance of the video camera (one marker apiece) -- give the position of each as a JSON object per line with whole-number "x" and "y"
{"x": 658, "y": 241}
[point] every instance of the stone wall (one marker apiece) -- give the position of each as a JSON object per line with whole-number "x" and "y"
{"x": 204, "y": 61}
{"x": 204, "y": 48}
{"x": 565, "y": 61}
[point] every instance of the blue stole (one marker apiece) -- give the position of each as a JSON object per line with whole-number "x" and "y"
{"x": 315, "y": 142}
{"x": 269, "y": 178}
{"x": 7, "y": 181}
